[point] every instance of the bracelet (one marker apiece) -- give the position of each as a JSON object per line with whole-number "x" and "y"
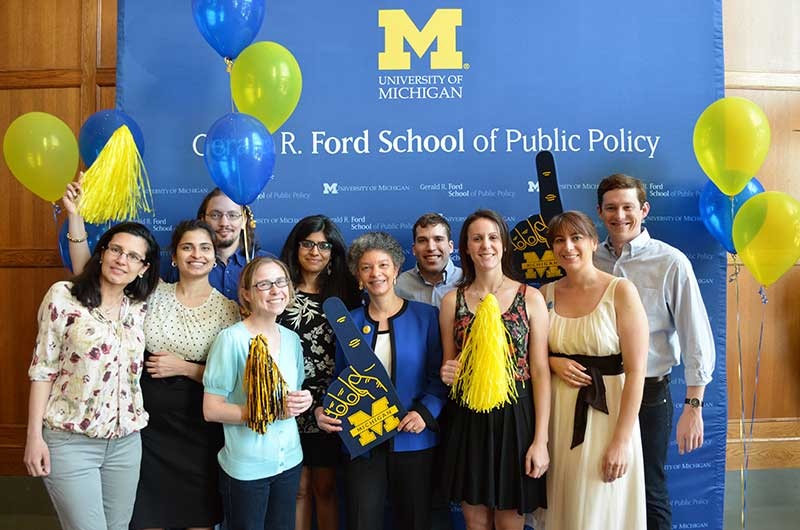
{"x": 77, "y": 239}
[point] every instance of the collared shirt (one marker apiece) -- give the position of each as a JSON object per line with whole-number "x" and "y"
{"x": 94, "y": 364}
{"x": 225, "y": 276}
{"x": 679, "y": 326}
{"x": 246, "y": 454}
{"x": 412, "y": 286}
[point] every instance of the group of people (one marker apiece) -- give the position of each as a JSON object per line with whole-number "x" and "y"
{"x": 139, "y": 411}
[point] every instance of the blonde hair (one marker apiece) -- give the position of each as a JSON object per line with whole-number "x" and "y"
{"x": 246, "y": 279}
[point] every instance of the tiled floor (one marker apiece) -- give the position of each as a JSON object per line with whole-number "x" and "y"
{"x": 773, "y": 502}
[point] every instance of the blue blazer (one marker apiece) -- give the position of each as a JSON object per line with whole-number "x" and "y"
{"x": 416, "y": 359}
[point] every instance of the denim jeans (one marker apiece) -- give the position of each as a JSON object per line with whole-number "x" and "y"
{"x": 262, "y": 504}
{"x": 655, "y": 422}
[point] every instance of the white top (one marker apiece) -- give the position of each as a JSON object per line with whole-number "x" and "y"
{"x": 383, "y": 349}
{"x": 186, "y": 331}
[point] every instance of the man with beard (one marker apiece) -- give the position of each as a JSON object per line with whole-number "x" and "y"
{"x": 435, "y": 274}
{"x": 229, "y": 221}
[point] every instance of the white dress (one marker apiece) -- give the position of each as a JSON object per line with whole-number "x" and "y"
{"x": 577, "y": 497}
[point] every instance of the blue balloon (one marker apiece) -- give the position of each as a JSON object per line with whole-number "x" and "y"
{"x": 99, "y": 127}
{"x": 93, "y": 234}
{"x": 240, "y": 154}
{"x": 229, "y": 26}
{"x": 718, "y": 212}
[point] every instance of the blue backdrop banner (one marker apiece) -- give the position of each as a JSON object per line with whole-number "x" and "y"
{"x": 409, "y": 107}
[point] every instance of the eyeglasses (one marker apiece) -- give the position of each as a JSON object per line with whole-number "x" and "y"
{"x": 132, "y": 257}
{"x": 266, "y": 285}
{"x": 216, "y": 215}
{"x": 323, "y": 246}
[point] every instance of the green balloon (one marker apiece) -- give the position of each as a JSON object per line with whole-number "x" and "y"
{"x": 266, "y": 83}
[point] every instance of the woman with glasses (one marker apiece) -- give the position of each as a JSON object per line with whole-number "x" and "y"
{"x": 315, "y": 255}
{"x": 405, "y": 338}
{"x": 259, "y": 472}
{"x": 178, "y": 447}
{"x": 86, "y": 410}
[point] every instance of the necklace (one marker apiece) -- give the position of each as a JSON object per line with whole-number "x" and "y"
{"x": 493, "y": 291}
{"x": 110, "y": 309}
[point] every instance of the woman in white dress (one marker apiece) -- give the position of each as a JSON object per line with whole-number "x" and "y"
{"x": 598, "y": 348}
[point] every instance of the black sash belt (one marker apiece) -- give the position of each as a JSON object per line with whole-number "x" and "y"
{"x": 593, "y": 395}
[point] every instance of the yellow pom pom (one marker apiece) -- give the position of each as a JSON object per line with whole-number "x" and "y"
{"x": 264, "y": 387}
{"x": 486, "y": 378}
{"x": 116, "y": 187}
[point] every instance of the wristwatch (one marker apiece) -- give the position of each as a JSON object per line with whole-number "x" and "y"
{"x": 694, "y": 402}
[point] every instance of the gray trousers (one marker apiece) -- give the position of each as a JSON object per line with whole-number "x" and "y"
{"x": 92, "y": 482}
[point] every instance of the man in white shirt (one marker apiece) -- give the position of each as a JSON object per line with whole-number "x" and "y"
{"x": 434, "y": 274}
{"x": 679, "y": 329}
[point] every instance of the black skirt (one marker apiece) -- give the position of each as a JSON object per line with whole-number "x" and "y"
{"x": 484, "y": 456}
{"x": 179, "y": 471}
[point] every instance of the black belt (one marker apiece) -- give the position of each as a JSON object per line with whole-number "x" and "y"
{"x": 656, "y": 379}
{"x": 593, "y": 395}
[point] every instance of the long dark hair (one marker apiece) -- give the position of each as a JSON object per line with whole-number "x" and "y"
{"x": 467, "y": 265}
{"x": 86, "y": 285}
{"x": 339, "y": 282}
{"x": 248, "y": 221}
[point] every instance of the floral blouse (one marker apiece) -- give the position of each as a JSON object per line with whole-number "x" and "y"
{"x": 515, "y": 319}
{"x": 305, "y": 317}
{"x": 94, "y": 364}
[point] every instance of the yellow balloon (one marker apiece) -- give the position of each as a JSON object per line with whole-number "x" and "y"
{"x": 766, "y": 235}
{"x": 266, "y": 83}
{"x": 42, "y": 153}
{"x": 731, "y": 140}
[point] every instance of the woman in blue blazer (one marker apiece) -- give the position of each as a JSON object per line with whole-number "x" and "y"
{"x": 405, "y": 338}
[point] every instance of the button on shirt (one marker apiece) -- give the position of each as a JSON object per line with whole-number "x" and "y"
{"x": 676, "y": 314}
{"x": 412, "y": 286}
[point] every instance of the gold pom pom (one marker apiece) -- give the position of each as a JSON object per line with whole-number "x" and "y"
{"x": 486, "y": 378}
{"x": 264, "y": 387}
{"x": 116, "y": 187}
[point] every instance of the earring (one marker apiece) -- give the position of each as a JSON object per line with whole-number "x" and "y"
{"x": 328, "y": 269}
{"x": 174, "y": 264}
{"x": 101, "y": 261}
{"x": 214, "y": 266}
{"x": 360, "y": 286}
{"x": 394, "y": 282}
{"x": 141, "y": 275}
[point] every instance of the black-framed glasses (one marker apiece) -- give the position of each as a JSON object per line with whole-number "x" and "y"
{"x": 216, "y": 215}
{"x": 322, "y": 246}
{"x": 132, "y": 257}
{"x": 266, "y": 285}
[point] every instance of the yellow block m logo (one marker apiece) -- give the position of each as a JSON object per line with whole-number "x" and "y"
{"x": 398, "y": 28}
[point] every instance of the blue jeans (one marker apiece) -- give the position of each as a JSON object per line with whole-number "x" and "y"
{"x": 655, "y": 422}
{"x": 262, "y": 504}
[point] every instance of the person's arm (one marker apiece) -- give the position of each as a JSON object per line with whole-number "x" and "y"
{"x": 571, "y": 372}
{"x": 217, "y": 409}
{"x": 166, "y": 364}
{"x": 219, "y": 380}
{"x": 634, "y": 334}
{"x": 37, "y": 454}
{"x": 447, "y": 319}
{"x": 77, "y": 240}
{"x": 537, "y": 458}
{"x": 697, "y": 350}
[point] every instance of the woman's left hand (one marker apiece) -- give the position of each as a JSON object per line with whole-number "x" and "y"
{"x": 615, "y": 461}
{"x": 537, "y": 460}
{"x": 412, "y": 422}
{"x": 297, "y": 402}
{"x": 164, "y": 364}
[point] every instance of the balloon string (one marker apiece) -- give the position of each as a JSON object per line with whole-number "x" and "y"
{"x": 56, "y": 211}
{"x": 734, "y": 278}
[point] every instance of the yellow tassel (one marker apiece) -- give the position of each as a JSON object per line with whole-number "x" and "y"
{"x": 264, "y": 387}
{"x": 116, "y": 187}
{"x": 486, "y": 378}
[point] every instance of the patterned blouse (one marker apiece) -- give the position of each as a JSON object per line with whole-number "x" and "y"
{"x": 94, "y": 364}
{"x": 187, "y": 332}
{"x": 515, "y": 320}
{"x": 306, "y": 318}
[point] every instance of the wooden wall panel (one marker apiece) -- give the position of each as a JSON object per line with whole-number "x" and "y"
{"x": 40, "y": 34}
{"x": 762, "y": 36}
{"x": 107, "y": 56}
